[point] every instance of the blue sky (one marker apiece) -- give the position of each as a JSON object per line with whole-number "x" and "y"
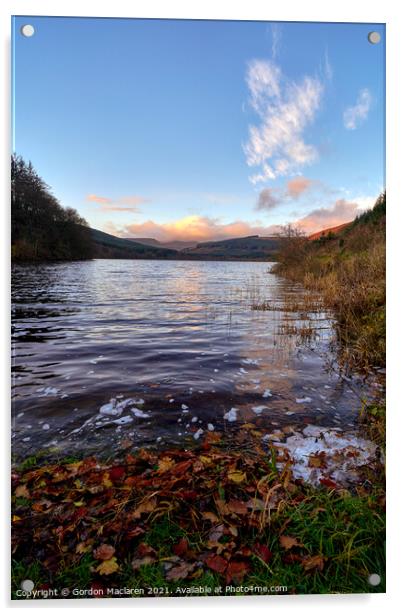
{"x": 202, "y": 129}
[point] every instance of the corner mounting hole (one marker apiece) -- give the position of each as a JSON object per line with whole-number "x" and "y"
{"x": 374, "y": 37}
{"x": 27, "y": 30}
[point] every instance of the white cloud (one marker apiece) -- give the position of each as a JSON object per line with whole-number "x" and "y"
{"x": 285, "y": 109}
{"x": 276, "y": 39}
{"x": 355, "y": 115}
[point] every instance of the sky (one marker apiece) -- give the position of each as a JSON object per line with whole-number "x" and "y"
{"x": 199, "y": 130}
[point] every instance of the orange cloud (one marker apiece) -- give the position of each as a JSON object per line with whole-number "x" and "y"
{"x": 129, "y": 203}
{"x": 98, "y": 199}
{"x": 204, "y": 228}
{"x": 197, "y": 228}
{"x": 298, "y": 186}
{"x": 321, "y": 218}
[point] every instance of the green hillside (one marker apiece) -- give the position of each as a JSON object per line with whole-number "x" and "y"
{"x": 348, "y": 269}
{"x": 242, "y": 248}
{"x": 108, "y": 246}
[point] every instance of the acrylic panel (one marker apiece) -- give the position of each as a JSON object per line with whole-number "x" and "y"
{"x": 198, "y": 325}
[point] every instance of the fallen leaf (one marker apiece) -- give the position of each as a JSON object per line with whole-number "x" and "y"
{"x": 236, "y": 570}
{"x": 104, "y": 552}
{"x": 216, "y": 563}
{"x": 289, "y": 542}
{"x": 165, "y": 464}
{"x": 210, "y": 516}
{"x": 180, "y": 572}
{"x": 263, "y": 552}
{"x": 237, "y": 506}
{"x": 136, "y": 563}
{"x": 313, "y": 562}
{"x": 117, "y": 472}
{"x": 328, "y": 483}
{"x": 147, "y": 506}
{"x": 317, "y": 460}
{"x": 22, "y": 492}
{"x": 237, "y": 476}
{"x": 181, "y": 548}
{"x": 108, "y": 566}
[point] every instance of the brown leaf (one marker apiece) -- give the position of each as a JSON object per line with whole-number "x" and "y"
{"x": 181, "y": 548}
{"x": 108, "y": 566}
{"x": 263, "y": 552}
{"x": 22, "y": 491}
{"x": 236, "y": 571}
{"x": 328, "y": 483}
{"x": 145, "y": 550}
{"x": 136, "y": 563}
{"x": 104, "y": 552}
{"x": 210, "y": 516}
{"x": 288, "y": 542}
{"x": 313, "y": 562}
{"x": 216, "y": 563}
{"x": 165, "y": 464}
{"x": 317, "y": 460}
{"x": 237, "y": 506}
{"x": 180, "y": 572}
{"x": 147, "y": 506}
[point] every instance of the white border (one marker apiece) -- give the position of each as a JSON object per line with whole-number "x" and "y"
{"x": 286, "y": 10}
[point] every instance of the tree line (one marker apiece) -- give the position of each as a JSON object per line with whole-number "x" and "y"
{"x": 41, "y": 229}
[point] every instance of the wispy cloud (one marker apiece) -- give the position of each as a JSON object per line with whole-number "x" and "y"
{"x": 276, "y": 35}
{"x": 354, "y": 116}
{"x": 129, "y": 203}
{"x": 285, "y": 108}
{"x": 328, "y": 70}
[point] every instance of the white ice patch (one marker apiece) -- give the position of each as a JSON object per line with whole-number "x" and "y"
{"x": 48, "y": 391}
{"x": 258, "y": 409}
{"x": 46, "y": 426}
{"x": 139, "y": 413}
{"x": 211, "y": 427}
{"x": 115, "y": 408}
{"x": 231, "y": 415}
{"x": 184, "y": 407}
{"x": 267, "y": 393}
{"x": 342, "y": 454}
{"x": 303, "y": 400}
{"x": 197, "y": 434}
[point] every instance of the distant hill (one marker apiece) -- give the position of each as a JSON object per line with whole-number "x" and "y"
{"x": 248, "y": 248}
{"x": 252, "y": 248}
{"x": 108, "y": 246}
{"x": 173, "y": 245}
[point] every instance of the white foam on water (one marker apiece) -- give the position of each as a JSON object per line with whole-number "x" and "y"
{"x": 231, "y": 415}
{"x": 258, "y": 409}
